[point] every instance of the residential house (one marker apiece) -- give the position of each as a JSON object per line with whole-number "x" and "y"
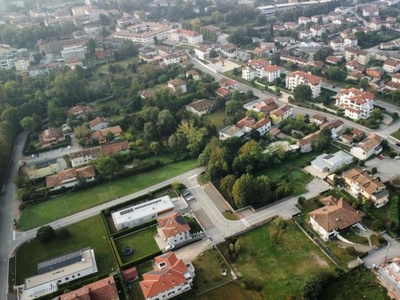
{"x": 391, "y": 66}
{"x": 361, "y": 56}
{"x": 202, "y": 51}
{"x": 317, "y": 30}
{"x": 223, "y": 93}
{"x": 375, "y": 25}
{"x": 174, "y": 229}
{"x": 333, "y": 60}
{"x": 170, "y": 278}
{"x": 146, "y": 94}
{"x": 195, "y": 75}
{"x": 357, "y": 134}
{"x": 248, "y": 123}
{"x": 177, "y": 85}
{"x": 201, "y": 107}
{"x": 324, "y": 18}
{"x": 368, "y": 147}
{"x": 318, "y": 119}
{"x": 266, "y": 106}
{"x": 337, "y": 44}
{"x": 357, "y": 104}
{"x": 98, "y": 123}
{"x": 80, "y": 111}
{"x": 347, "y": 139}
{"x": 333, "y": 217}
{"x": 84, "y": 156}
{"x": 360, "y": 183}
{"x": 305, "y": 34}
{"x": 100, "y": 136}
{"x": 70, "y": 177}
{"x": 51, "y": 136}
{"x": 331, "y": 162}
{"x": 370, "y": 11}
{"x": 230, "y": 131}
{"x": 354, "y": 75}
{"x": 268, "y": 72}
{"x": 103, "y": 289}
{"x": 281, "y": 113}
{"x": 303, "y": 20}
{"x": 229, "y": 84}
{"x": 187, "y": 36}
{"x": 305, "y": 143}
{"x": 396, "y": 77}
{"x": 299, "y": 77}
{"x": 391, "y": 86}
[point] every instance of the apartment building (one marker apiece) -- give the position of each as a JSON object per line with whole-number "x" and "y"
{"x": 188, "y": 36}
{"x": 299, "y": 77}
{"x": 357, "y": 104}
{"x": 361, "y": 56}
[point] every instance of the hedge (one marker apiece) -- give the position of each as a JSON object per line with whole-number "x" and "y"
{"x": 140, "y": 260}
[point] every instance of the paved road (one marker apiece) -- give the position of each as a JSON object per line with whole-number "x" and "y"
{"x": 6, "y": 214}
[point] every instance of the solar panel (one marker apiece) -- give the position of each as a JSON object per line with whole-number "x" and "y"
{"x": 127, "y": 211}
{"x": 59, "y": 262}
{"x": 180, "y": 220}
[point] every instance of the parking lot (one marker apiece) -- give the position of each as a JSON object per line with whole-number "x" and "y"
{"x": 387, "y": 167}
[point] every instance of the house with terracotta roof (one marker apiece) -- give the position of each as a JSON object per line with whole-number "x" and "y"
{"x": 51, "y": 136}
{"x": 368, "y": 147}
{"x": 174, "y": 229}
{"x": 146, "y": 94}
{"x": 80, "y": 111}
{"x": 318, "y": 119}
{"x": 281, "y": 113}
{"x": 187, "y": 36}
{"x": 370, "y": 11}
{"x": 201, "y": 107}
{"x": 223, "y": 93}
{"x": 267, "y": 72}
{"x": 98, "y": 123}
{"x": 391, "y": 66}
{"x": 103, "y": 289}
{"x": 248, "y": 123}
{"x": 333, "y": 59}
{"x": 299, "y": 77}
{"x": 229, "y": 84}
{"x": 84, "y": 156}
{"x": 354, "y": 54}
{"x": 170, "y": 278}
{"x": 101, "y": 135}
{"x": 178, "y": 86}
{"x": 333, "y": 217}
{"x": 70, "y": 177}
{"x": 194, "y": 73}
{"x": 360, "y": 183}
{"x": 356, "y": 103}
{"x": 265, "y": 106}
{"x": 130, "y": 274}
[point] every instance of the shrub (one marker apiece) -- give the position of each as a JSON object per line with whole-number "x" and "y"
{"x": 374, "y": 170}
{"x": 351, "y": 250}
{"x": 64, "y": 233}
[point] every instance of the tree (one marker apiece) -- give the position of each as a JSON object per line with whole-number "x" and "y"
{"x": 280, "y": 223}
{"x": 322, "y": 140}
{"x": 323, "y": 53}
{"x": 376, "y": 114}
{"x": 195, "y": 136}
{"x": 63, "y": 233}
{"x": 302, "y": 93}
{"x": 45, "y": 234}
{"x": 335, "y": 73}
{"x": 155, "y": 147}
{"x": 364, "y": 84}
{"x": 107, "y": 166}
{"x": 232, "y": 107}
{"x": 312, "y": 289}
{"x": 243, "y": 190}
{"x": 28, "y": 124}
{"x": 227, "y": 183}
{"x": 91, "y": 46}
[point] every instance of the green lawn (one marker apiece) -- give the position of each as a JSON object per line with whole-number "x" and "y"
{"x": 64, "y": 206}
{"x": 280, "y": 261}
{"x": 142, "y": 242}
{"x": 354, "y": 237}
{"x": 216, "y": 118}
{"x": 231, "y": 291}
{"x": 229, "y": 215}
{"x": 396, "y": 134}
{"x": 89, "y": 232}
{"x": 359, "y": 283}
{"x": 340, "y": 253}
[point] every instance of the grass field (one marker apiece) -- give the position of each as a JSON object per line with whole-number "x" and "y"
{"x": 231, "y": 291}
{"x": 142, "y": 242}
{"x": 89, "y": 232}
{"x": 359, "y": 283}
{"x": 229, "y": 215}
{"x": 216, "y": 118}
{"x": 280, "y": 261}
{"x": 396, "y": 134}
{"x": 64, "y": 206}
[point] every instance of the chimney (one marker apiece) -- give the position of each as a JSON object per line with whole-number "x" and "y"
{"x": 337, "y": 219}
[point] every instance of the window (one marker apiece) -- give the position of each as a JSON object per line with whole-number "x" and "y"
{"x": 66, "y": 278}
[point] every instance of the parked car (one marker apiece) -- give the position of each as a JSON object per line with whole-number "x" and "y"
{"x": 397, "y": 157}
{"x": 190, "y": 198}
{"x": 380, "y": 157}
{"x": 169, "y": 247}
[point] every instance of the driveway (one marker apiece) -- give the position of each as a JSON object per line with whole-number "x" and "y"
{"x": 191, "y": 252}
{"x": 387, "y": 167}
{"x": 379, "y": 256}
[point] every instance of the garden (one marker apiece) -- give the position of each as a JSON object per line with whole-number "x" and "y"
{"x": 86, "y": 233}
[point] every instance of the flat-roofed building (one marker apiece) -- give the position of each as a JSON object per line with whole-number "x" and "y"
{"x": 138, "y": 214}
{"x": 59, "y": 270}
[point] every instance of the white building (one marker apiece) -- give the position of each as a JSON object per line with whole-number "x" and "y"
{"x": 330, "y": 162}
{"x": 299, "y": 77}
{"x": 370, "y": 11}
{"x": 247, "y": 124}
{"x": 21, "y": 63}
{"x": 391, "y": 66}
{"x": 141, "y": 213}
{"x": 59, "y": 270}
{"x": 6, "y": 62}
{"x": 178, "y": 86}
{"x": 73, "y": 52}
{"x": 361, "y": 56}
{"x": 186, "y": 36}
{"x": 170, "y": 278}
{"x": 174, "y": 229}
{"x": 270, "y": 72}
{"x": 357, "y": 104}
{"x": 144, "y": 33}
{"x": 368, "y": 147}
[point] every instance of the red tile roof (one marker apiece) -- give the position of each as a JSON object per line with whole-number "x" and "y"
{"x": 173, "y": 224}
{"x": 104, "y": 289}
